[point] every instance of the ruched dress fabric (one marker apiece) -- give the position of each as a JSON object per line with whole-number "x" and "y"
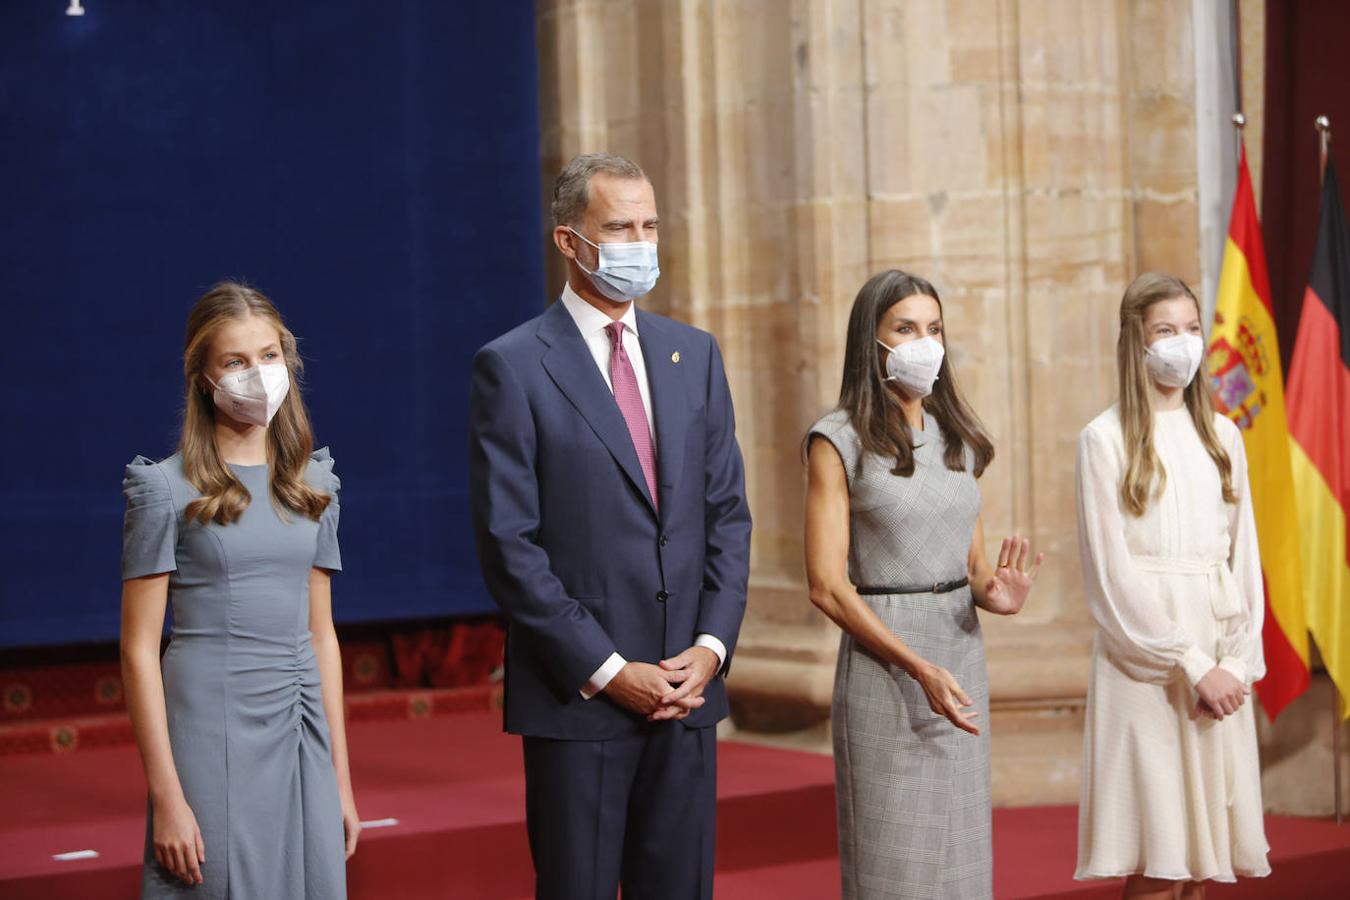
{"x": 913, "y": 791}
{"x": 241, "y": 684}
{"x": 1174, "y": 592}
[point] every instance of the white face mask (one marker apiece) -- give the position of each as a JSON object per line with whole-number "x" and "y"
{"x": 624, "y": 271}
{"x": 1173, "y": 361}
{"x": 915, "y": 364}
{"x": 253, "y": 395}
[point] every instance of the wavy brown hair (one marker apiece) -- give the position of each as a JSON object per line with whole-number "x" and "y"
{"x": 873, "y": 408}
{"x": 1145, "y": 476}
{"x": 290, "y": 439}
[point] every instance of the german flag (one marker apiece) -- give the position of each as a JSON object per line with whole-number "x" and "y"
{"x": 1319, "y": 419}
{"x": 1244, "y": 366}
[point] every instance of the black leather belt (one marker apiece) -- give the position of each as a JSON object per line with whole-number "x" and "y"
{"x": 942, "y": 587}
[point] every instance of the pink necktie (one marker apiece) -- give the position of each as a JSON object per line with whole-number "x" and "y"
{"x": 628, "y": 397}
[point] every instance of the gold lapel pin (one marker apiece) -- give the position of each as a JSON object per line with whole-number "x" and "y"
{"x": 675, "y": 357}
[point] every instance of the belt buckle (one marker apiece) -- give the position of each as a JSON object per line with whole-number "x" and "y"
{"x": 937, "y": 587}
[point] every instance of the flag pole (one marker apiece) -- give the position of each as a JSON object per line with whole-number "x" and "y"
{"x": 1323, "y": 126}
{"x": 1239, "y": 119}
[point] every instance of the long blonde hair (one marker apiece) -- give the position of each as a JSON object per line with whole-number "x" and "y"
{"x": 1144, "y": 474}
{"x": 290, "y": 439}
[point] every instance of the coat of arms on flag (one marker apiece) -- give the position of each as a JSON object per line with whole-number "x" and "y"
{"x": 1236, "y": 370}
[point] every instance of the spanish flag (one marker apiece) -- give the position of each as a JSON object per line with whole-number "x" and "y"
{"x": 1244, "y": 366}
{"x": 1319, "y": 418}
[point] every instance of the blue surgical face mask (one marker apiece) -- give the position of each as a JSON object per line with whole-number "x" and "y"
{"x": 625, "y": 271}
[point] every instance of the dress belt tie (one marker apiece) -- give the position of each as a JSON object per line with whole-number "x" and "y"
{"x": 1223, "y": 594}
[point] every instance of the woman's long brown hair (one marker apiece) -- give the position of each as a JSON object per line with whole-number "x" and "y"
{"x": 872, "y": 406}
{"x": 290, "y": 439}
{"x": 1145, "y": 476}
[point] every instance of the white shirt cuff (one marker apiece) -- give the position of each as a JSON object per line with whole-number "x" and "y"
{"x": 715, "y": 645}
{"x": 603, "y": 676}
{"x": 1196, "y": 664}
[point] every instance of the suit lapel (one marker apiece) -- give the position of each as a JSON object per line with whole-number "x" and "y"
{"x": 670, "y": 405}
{"x": 569, "y": 363}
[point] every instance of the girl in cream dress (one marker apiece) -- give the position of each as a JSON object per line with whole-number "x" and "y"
{"x": 1171, "y": 791}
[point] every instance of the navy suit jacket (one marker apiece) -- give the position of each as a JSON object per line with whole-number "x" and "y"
{"x": 572, "y": 547}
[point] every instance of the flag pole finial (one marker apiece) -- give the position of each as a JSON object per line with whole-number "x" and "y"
{"x": 1239, "y": 122}
{"x": 1323, "y": 126}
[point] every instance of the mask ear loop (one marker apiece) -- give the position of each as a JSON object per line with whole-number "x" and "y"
{"x": 577, "y": 258}
{"x": 889, "y": 349}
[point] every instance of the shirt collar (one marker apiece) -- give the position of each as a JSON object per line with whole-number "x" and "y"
{"x": 591, "y": 320}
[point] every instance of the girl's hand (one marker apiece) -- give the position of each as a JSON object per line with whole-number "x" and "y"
{"x": 1221, "y": 694}
{"x": 945, "y": 696}
{"x": 178, "y": 841}
{"x": 1006, "y": 593}
{"x": 351, "y": 822}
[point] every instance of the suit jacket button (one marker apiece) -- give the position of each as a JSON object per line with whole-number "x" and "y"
{"x": 662, "y": 596}
{"x": 664, "y": 540}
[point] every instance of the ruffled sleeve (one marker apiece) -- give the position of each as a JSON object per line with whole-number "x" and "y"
{"x": 150, "y": 525}
{"x": 836, "y": 428}
{"x": 327, "y": 554}
{"x": 1136, "y": 631}
{"x": 1240, "y": 648}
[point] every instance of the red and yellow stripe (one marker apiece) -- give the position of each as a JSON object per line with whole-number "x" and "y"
{"x": 1319, "y": 419}
{"x": 1244, "y": 336}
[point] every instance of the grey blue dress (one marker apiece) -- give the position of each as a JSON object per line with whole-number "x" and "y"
{"x": 913, "y": 791}
{"x": 241, "y": 684}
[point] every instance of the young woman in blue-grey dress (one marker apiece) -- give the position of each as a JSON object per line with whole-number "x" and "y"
{"x": 240, "y": 725}
{"x": 895, "y": 556}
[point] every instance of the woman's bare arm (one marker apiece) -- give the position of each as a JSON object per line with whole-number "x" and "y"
{"x": 827, "y": 538}
{"x": 177, "y": 840}
{"x": 329, "y": 658}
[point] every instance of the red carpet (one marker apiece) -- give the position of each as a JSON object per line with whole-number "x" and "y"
{"x": 454, "y": 783}
{"x": 64, "y": 699}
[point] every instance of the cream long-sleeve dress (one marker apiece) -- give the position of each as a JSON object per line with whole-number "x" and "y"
{"x": 1174, "y": 592}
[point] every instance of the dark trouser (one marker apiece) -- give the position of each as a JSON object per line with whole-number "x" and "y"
{"x": 638, "y": 810}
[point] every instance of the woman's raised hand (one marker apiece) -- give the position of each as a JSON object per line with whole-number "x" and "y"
{"x": 1007, "y": 591}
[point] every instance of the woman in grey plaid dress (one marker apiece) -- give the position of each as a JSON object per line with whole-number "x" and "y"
{"x": 895, "y": 556}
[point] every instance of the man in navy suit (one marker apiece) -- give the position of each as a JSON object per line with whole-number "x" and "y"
{"x": 612, "y": 528}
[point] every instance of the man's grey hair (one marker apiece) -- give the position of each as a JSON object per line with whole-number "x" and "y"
{"x": 572, "y": 189}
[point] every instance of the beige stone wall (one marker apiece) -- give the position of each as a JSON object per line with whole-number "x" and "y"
{"x": 1252, "y": 34}
{"x": 1028, "y": 157}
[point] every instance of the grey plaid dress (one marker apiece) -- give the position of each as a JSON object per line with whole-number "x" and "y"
{"x": 913, "y": 791}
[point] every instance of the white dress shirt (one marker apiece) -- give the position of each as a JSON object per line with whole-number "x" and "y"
{"x": 594, "y": 328}
{"x": 593, "y": 325}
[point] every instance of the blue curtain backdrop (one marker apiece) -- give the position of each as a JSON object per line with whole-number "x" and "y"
{"x": 372, "y": 167}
